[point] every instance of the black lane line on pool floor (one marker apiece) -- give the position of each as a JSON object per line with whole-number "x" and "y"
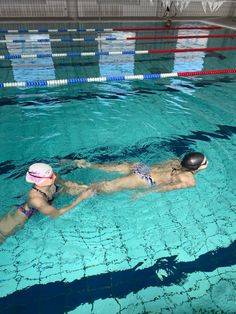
{"x": 60, "y": 297}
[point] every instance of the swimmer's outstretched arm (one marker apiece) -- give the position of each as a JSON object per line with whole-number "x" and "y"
{"x": 53, "y": 212}
{"x": 167, "y": 187}
{"x": 174, "y": 186}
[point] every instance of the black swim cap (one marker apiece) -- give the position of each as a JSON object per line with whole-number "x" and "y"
{"x": 192, "y": 161}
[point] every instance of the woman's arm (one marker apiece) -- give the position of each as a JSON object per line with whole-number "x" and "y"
{"x": 168, "y": 187}
{"x": 53, "y": 212}
{"x": 174, "y": 186}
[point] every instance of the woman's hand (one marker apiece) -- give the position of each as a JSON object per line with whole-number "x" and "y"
{"x": 86, "y": 194}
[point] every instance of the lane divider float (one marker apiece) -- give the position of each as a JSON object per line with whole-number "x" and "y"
{"x": 111, "y": 38}
{"x": 70, "y": 30}
{"x": 74, "y": 81}
{"x": 111, "y": 53}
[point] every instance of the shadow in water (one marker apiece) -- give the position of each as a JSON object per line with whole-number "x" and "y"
{"x": 178, "y": 145}
{"x": 60, "y": 297}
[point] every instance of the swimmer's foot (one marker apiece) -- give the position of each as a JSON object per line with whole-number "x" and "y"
{"x": 82, "y": 163}
{"x": 69, "y": 165}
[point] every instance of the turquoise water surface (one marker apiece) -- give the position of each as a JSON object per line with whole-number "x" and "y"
{"x": 162, "y": 253}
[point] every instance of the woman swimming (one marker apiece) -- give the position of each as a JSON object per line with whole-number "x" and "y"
{"x": 46, "y": 186}
{"x": 171, "y": 175}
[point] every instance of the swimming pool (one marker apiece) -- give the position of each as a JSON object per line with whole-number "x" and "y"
{"x": 162, "y": 253}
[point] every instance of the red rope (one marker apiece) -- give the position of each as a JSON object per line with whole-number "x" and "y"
{"x": 191, "y": 49}
{"x": 182, "y": 37}
{"x": 211, "y": 72}
{"x": 164, "y": 28}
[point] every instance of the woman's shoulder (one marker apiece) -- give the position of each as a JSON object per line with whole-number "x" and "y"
{"x": 34, "y": 195}
{"x": 169, "y": 164}
{"x": 187, "y": 177}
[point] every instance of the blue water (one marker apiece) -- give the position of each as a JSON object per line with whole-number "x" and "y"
{"x": 162, "y": 253}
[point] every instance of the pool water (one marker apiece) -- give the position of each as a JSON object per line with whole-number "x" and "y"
{"x": 161, "y": 253}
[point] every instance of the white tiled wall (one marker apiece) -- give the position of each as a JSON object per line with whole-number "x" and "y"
{"x": 32, "y": 8}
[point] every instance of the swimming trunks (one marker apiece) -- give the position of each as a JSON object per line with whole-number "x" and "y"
{"x": 28, "y": 213}
{"x": 143, "y": 171}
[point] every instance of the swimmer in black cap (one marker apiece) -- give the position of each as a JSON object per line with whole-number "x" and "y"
{"x": 170, "y": 175}
{"x": 193, "y": 161}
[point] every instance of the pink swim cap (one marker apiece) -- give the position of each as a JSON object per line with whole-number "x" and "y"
{"x": 38, "y": 173}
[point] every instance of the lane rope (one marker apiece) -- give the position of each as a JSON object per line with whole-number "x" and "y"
{"x": 71, "y": 30}
{"x": 74, "y": 81}
{"x": 111, "y": 38}
{"x": 110, "y": 53}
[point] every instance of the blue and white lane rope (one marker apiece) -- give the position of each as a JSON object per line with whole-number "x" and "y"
{"x": 73, "y": 54}
{"x": 111, "y": 38}
{"x": 110, "y": 53}
{"x": 54, "y": 30}
{"x": 63, "y": 40}
{"x": 71, "y": 30}
{"x": 111, "y": 78}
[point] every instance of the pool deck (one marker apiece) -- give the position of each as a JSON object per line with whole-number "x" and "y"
{"x": 229, "y": 21}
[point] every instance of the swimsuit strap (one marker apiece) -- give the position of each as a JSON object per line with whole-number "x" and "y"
{"x": 149, "y": 180}
{"x": 43, "y": 193}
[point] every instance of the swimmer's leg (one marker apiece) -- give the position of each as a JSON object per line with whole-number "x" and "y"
{"x": 74, "y": 188}
{"x": 124, "y": 168}
{"x": 125, "y": 183}
{"x": 70, "y": 187}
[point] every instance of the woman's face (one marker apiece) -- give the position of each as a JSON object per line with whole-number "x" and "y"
{"x": 204, "y": 164}
{"x": 48, "y": 180}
